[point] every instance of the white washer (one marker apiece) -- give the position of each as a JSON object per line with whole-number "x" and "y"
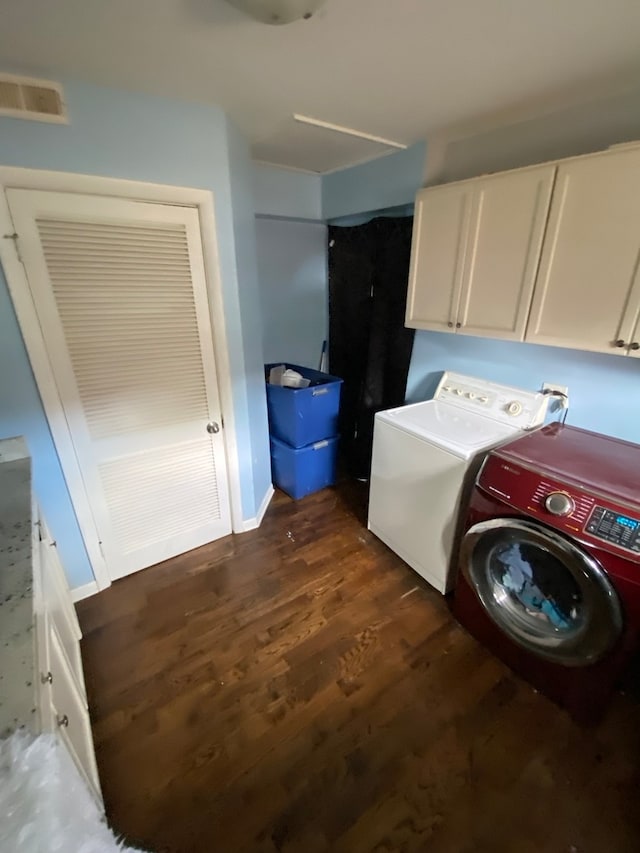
{"x": 425, "y": 457}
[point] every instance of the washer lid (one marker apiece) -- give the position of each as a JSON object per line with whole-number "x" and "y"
{"x": 463, "y": 433}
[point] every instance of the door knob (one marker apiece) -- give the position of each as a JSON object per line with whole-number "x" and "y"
{"x": 634, "y": 345}
{"x": 213, "y": 427}
{"x": 63, "y": 721}
{"x": 619, "y": 343}
{"x": 47, "y": 679}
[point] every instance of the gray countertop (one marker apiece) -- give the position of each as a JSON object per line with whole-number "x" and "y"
{"x": 17, "y": 621}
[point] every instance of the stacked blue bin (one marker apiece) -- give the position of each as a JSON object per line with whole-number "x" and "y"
{"x": 303, "y": 427}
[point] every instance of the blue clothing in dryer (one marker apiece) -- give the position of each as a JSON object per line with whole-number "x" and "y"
{"x": 517, "y": 570}
{"x": 518, "y": 578}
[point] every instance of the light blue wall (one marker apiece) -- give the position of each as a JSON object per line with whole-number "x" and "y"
{"x": 286, "y": 193}
{"x": 387, "y": 182}
{"x": 125, "y": 135}
{"x": 292, "y": 270}
{"x": 578, "y": 129}
{"x": 21, "y": 413}
{"x": 251, "y": 380}
{"x": 604, "y": 390}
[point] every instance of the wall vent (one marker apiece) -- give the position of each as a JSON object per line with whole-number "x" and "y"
{"x": 26, "y": 97}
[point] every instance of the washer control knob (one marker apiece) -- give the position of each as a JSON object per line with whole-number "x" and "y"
{"x": 471, "y": 395}
{"x": 459, "y": 392}
{"x": 514, "y": 408}
{"x": 559, "y": 503}
{"x": 483, "y": 399}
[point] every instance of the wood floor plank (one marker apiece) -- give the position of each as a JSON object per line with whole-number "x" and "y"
{"x": 298, "y": 689}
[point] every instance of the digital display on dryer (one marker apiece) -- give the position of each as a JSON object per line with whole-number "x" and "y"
{"x": 620, "y": 530}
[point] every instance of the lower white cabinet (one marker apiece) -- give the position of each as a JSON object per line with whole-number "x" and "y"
{"x": 62, "y": 698}
{"x": 69, "y": 712}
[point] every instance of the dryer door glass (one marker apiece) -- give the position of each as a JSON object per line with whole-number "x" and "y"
{"x": 542, "y": 590}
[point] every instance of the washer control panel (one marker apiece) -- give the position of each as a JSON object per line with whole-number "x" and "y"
{"x": 468, "y": 392}
{"x": 622, "y": 530}
{"x": 513, "y": 406}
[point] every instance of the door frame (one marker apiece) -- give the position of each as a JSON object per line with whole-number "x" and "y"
{"x": 19, "y": 289}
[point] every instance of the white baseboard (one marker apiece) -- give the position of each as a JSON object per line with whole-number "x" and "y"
{"x": 264, "y": 506}
{"x": 84, "y": 591}
{"x": 256, "y": 521}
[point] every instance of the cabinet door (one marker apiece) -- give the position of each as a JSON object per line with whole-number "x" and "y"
{"x": 588, "y": 286}
{"x": 633, "y": 348}
{"x": 440, "y": 230}
{"x": 508, "y": 219}
{"x": 60, "y": 610}
{"x": 70, "y": 714}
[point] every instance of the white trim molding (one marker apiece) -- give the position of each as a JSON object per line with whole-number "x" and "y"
{"x": 79, "y": 593}
{"x": 203, "y": 200}
{"x": 255, "y": 522}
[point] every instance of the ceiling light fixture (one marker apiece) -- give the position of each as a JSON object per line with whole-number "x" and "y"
{"x": 277, "y": 11}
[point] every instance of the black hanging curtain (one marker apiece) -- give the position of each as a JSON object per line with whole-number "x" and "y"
{"x": 369, "y": 346}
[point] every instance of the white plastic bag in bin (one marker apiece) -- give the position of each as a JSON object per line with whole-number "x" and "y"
{"x": 288, "y": 378}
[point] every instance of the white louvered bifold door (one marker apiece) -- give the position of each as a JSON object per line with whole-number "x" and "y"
{"x": 119, "y": 289}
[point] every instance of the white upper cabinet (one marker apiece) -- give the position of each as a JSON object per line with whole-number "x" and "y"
{"x": 633, "y": 343}
{"x": 440, "y": 232}
{"x": 507, "y": 226}
{"x": 588, "y": 290}
{"x": 475, "y": 253}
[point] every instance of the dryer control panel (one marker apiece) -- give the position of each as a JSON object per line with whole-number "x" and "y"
{"x": 622, "y": 530}
{"x": 568, "y": 507}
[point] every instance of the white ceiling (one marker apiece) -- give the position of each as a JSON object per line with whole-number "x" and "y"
{"x": 399, "y": 69}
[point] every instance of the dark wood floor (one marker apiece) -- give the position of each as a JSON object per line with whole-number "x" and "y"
{"x": 299, "y": 688}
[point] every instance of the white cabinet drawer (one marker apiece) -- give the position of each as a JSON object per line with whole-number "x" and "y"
{"x": 60, "y": 609}
{"x": 69, "y": 713}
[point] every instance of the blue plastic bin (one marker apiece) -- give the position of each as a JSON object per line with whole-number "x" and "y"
{"x": 301, "y": 416}
{"x": 301, "y": 471}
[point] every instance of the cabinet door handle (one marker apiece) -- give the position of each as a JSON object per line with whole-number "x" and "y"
{"x": 63, "y": 721}
{"x": 634, "y": 345}
{"x": 47, "y": 679}
{"x": 458, "y": 325}
{"x": 450, "y": 324}
{"x": 619, "y": 343}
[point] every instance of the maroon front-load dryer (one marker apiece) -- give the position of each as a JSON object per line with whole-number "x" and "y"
{"x": 549, "y": 575}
